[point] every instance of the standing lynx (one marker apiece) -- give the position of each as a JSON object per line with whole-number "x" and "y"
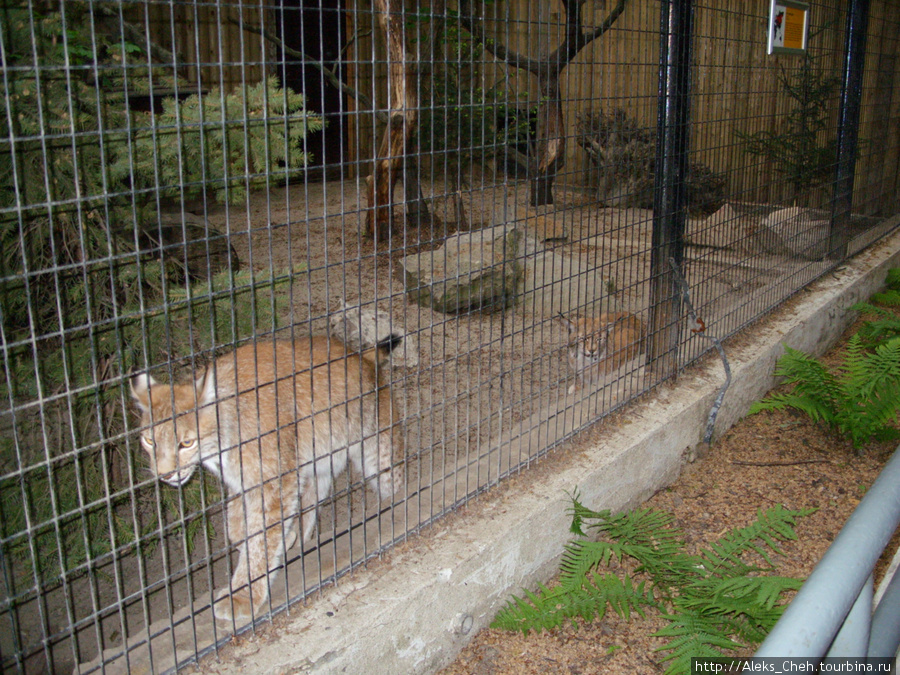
{"x": 275, "y": 421}
{"x": 602, "y": 344}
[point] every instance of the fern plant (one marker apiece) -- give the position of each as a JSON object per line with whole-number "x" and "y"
{"x": 884, "y": 326}
{"x": 714, "y": 601}
{"x": 890, "y": 296}
{"x": 860, "y": 400}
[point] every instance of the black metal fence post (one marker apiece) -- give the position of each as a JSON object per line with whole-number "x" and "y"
{"x": 848, "y": 125}
{"x": 670, "y": 193}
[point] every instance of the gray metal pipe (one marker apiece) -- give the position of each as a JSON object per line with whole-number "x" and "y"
{"x": 852, "y": 640}
{"x": 815, "y": 616}
{"x": 885, "y": 634}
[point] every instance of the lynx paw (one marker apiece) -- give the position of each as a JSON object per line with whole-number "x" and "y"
{"x": 573, "y": 388}
{"x": 290, "y": 538}
{"x": 233, "y": 606}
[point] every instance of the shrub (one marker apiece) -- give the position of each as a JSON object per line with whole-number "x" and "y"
{"x": 802, "y": 149}
{"x": 625, "y": 154}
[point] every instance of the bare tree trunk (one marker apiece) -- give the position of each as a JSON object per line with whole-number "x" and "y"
{"x": 395, "y": 143}
{"x": 417, "y": 211}
{"x": 551, "y": 142}
{"x": 551, "y": 149}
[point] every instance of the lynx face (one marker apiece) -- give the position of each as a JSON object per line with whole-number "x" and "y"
{"x": 602, "y": 344}
{"x": 589, "y": 349}
{"x": 173, "y": 440}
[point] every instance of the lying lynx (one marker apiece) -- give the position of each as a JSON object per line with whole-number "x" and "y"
{"x": 602, "y": 344}
{"x": 275, "y": 421}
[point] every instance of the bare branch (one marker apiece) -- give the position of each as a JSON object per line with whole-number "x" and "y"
{"x": 329, "y": 73}
{"x": 576, "y": 39}
{"x": 497, "y": 49}
{"x": 131, "y": 32}
{"x": 608, "y": 22}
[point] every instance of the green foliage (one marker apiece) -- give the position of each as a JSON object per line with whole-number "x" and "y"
{"x": 890, "y": 296}
{"x": 79, "y": 172}
{"x": 224, "y": 142}
{"x": 885, "y": 324}
{"x": 714, "y": 601}
{"x": 860, "y": 400}
{"x": 883, "y": 327}
{"x": 624, "y": 153}
{"x": 801, "y": 149}
{"x": 461, "y": 120}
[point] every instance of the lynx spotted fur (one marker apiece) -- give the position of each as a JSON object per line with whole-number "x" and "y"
{"x": 275, "y": 421}
{"x": 602, "y": 344}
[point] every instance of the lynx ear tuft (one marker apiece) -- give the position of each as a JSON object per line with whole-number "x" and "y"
{"x": 206, "y": 387}
{"x": 568, "y": 323}
{"x": 140, "y": 389}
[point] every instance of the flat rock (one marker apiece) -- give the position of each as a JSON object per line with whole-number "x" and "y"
{"x": 725, "y": 228}
{"x": 796, "y": 232}
{"x": 472, "y": 271}
{"x": 362, "y": 327}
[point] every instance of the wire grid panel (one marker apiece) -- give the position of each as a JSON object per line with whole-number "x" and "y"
{"x": 283, "y": 283}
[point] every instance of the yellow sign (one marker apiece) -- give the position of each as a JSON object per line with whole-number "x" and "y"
{"x": 788, "y": 27}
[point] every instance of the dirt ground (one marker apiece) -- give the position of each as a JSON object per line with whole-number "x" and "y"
{"x": 778, "y": 457}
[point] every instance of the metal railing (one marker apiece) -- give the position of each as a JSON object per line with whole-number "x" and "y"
{"x": 832, "y": 613}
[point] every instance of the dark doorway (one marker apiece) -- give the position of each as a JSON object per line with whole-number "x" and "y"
{"x": 316, "y": 28}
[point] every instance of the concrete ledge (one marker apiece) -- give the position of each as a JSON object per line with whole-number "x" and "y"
{"x": 414, "y": 610}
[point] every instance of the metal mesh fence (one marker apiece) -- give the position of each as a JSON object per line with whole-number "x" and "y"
{"x": 284, "y": 282}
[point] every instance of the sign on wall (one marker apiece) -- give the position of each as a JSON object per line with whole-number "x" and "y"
{"x": 788, "y": 27}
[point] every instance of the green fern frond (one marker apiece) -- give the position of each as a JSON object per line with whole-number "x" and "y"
{"x": 580, "y": 513}
{"x": 874, "y": 333}
{"x": 549, "y": 607}
{"x": 873, "y": 374}
{"x": 581, "y": 556}
{"x": 860, "y": 400}
{"x": 884, "y": 326}
{"x": 810, "y": 377}
{"x": 753, "y": 597}
{"x": 892, "y": 281}
{"x": 761, "y": 537}
{"x": 645, "y": 535}
{"x": 816, "y": 409}
{"x": 642, "y": 527}
{"x": 745, "y": 629}
{"x": 868, "y": 308}
{"x": 889, "y": 298}
{"x": 714, "y": 601}
{"x": 692, "y": 636}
